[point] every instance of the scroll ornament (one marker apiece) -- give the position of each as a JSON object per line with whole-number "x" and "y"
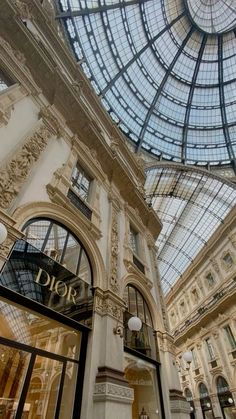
{"x": 16, "y": 170}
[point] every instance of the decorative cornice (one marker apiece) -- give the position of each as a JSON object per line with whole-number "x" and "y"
{"x": 113, "y": 392}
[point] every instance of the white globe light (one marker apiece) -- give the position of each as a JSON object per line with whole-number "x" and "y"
{"x": 208, "y": 405}
{"x": 187, "y": 356}
{"x": 230, "y": 400}
{"x": 134, "y": 324}
{"x": 3, "y": 233}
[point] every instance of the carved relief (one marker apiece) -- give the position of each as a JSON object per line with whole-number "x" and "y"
{"x": 23, "y": 9}
{"x": 215, "y": 264}
{"x": 16, "y": 170}
{"x": 232, "y": 238}
{"x": 114, "y": 252}
{"x": 49, "y": 119}
{"x": 227, "y": 260}
{"x": 106, "y": 306}
{"x": 108, "y": 389}
{"x": 5, "y": 248}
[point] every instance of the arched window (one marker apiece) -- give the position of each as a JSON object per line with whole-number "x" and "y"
{"x": 57, "y": 242}
{"x": 205, "y": 402}
{"x": 144, "y": 340}
{"x": 189, "y": 398}
{"x": 225, "y": 397}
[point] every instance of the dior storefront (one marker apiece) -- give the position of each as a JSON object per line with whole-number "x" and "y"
{"x": 46, "y": 311}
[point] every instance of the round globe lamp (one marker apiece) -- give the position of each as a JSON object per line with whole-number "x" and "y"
{"x": 134, "y": 324}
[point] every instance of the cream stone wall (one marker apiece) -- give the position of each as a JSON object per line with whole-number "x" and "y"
{"x": 200, "y": 310}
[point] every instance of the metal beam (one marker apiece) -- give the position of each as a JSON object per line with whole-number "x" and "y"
{"x": 99, "y": 9}
{"x": 190, "y": 98}
{"x": 160, "y": 88}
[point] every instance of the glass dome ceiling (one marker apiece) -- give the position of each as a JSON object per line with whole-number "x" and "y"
{"x": 165, "y": 70}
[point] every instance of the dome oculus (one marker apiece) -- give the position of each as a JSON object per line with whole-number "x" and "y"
{"x": 213, "y": 16}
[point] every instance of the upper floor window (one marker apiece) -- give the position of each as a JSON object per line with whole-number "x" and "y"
{"x": 144, "y": 340}
{"x": 230, "y": 336}
{"x": 4, "y": 81}
{"x": 195, "y": 359}
{"x": 210, "y": 280}
{"x": 58, "y": 243}
{"x": 134, "y": 240}
{"x": 227, "y": 260}
{"x": 81, "y": 182}
{"x": 210, "y": 349}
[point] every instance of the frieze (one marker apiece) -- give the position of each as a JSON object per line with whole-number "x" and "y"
{"x": 107, "y": 306}
{"x": 14, "y": 172}
{"x": 108, "y": 390}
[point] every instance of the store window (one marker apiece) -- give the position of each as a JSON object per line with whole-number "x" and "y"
{"x": 225, "y": 398}
{"x": 59, "y": 244}
{"x": 34, "y": 382}
{"x": 205, "y": 402}
{"x": 189, "y": 398}
{"x": 230, "y": 337}
{"x": 143, "y": 341}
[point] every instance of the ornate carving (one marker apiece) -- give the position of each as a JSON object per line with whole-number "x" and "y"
{"x": 215, "y": 264}
{"x": 106, "y": 306}
{"x": 232, "y": 238}
{"x": 114, "y": 252}
{"x": 5, "y": 248}
{"x": 23, "y": 9}
{"x": 52, "y": 122}
{"x": 108, "y": 389}
{"x": 16, "y": 170}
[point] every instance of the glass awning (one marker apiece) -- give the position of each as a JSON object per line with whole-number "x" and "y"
{"x": 165, "y": 70}
{"x": 191, "y": 205}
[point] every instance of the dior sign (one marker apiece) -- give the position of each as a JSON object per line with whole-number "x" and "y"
{"x": 34, "y": 275}
{"x": 59, "y": 287}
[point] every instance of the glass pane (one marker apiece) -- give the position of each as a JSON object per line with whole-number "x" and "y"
{"x": 36, "y": 330}
{"x": 55, "y": 243}
{"x": 132, "y": 301}
{"x": 41, "y": 401}
{"x": 140, "y": 307}
{"x": 68, "y": 390}
{"x": 70, "y": 259}
{"x": 36, "y": 232}
{"x": 13, "y": 367}
{"x": 84, "y": 269}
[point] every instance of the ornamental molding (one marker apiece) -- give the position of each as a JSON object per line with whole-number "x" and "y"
{"x": 114, "y": 242}
{"x": 8, "y": 98}
{"x": 104, "y": 391}
{"x": 90, "y": 158}
{"x": 56, "y": 125}
{"x": 15, "y": 62}
{"x": 24, "y": 9}
{"x": 108, "y": 304}
{"x": 15, "y": 171}
{"x": 232, "y": 238}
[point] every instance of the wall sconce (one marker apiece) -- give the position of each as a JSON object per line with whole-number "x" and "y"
{"x": 134, "y": 325}
{"x": 187, "y": 357}
{"x": 3, "y": 233}
{"x": 143, "y": 414}
{"x": 230, "y": 400}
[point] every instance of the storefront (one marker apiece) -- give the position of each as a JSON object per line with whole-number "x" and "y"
{"x": 46, "y": 312}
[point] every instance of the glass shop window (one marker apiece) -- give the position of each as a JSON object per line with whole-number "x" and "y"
{"x": 142, "y": 341}
{"x": 230, "y": 337}
{"x": 58, "y": 243}
{"x": 81, "y": 182}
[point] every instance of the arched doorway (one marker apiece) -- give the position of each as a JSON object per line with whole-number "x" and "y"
{"x": 205, "y": 401}
{"x": 225, "y": 398}
{"x": 189, "y": 398}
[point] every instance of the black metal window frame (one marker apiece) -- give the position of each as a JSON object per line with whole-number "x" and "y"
{"x": 68, "y": 233}
{"x": 81, "y": 182}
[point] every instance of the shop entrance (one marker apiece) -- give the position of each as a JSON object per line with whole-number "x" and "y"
{"x": 34, "y": 384}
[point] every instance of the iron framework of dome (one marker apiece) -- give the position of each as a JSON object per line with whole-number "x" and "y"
{"x": 164, "y": 70}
